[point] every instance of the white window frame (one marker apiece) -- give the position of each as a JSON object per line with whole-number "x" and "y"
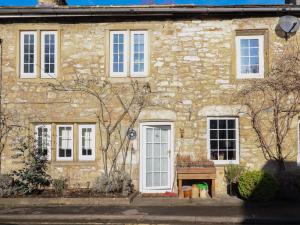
{"x": 43, "y": 74}
{"x": 57, "y": 143}
{"x": 22, "y": 73}
{"x": 139, "y": 74}
{"x": 49, "y": 146}
{"x": 223, "y": 162}
{"x": 298, "y": 154}
{"x": 126, "y": 48}
{"x": 261, "y": 57}
{"x": 87, "y": 157}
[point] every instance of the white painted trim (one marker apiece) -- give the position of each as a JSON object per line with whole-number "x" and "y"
{"x": 222, "y": 162}
{"x": 146, "y": 60}
{"x": 142, "y": 180}
{"x": 57, "y": 144}
{"x": 111, "y": 47}
{"x": 86, "y": 157}
{"x": 22, "y": 73}
{"x": 43, "y": 74}
{"x": 298, "y": 138}
{"x": 49, "y": 146}
{"x": 261, "y": 57}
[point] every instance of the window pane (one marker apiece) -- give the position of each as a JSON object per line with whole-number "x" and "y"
{"x": 213, "y": 144}
{"x": 156, "y": 150}
{"x": 149, "y": 165}
{"x": 213, "y": 134}
{"x": 164, "y": 150}
{"x": 254, "y": 68}
{"x": 222, "y": 124}
{"x": 254, "y": 60}
{"x": 156, "y": 164}
{"x": 244, "y": 43}
{"x": 231, "y": 144}
{"x": 254, "y": 51}
{"x": 231, "y": 124}
{"x": 164, "y": 165}
{"x": 214, "y": 155}
{"x": 254, "y": 42}
{"x": 148, "y": 179}
{"x": 231, "y": 134}
{"x": 164, "y": 179}
{"x": 213, "y": 124}
{"x": 231, "y": 155}
{"x": 148, "y": 150}
{"x": 245, "y": 52}
{"x": 245, "y": 61}
{"x": 245, "y": 69}
{"x": 149, "y": 134}
{"x": 222, "y": 144}
{"x": 156, "y": 179}
{"x": 222, "y": 155}
{"x": 222, "y": 134}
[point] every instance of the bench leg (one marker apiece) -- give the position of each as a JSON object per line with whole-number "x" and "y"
{"x": 213, "y": 188}
{"x": 180, "y": 192}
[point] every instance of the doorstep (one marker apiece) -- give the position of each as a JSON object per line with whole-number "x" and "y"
{"x": 35, "y": 201}
{"x": 159, "y": 200}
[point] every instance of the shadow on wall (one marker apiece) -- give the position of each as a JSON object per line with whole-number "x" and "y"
{"x": 288, "y": 180}
{"x": 275, "y": 195}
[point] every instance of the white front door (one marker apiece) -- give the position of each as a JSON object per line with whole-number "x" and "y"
{"x": 156, "y": 153}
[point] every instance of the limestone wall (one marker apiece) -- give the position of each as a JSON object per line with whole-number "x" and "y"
{"x": 192, "y": 71}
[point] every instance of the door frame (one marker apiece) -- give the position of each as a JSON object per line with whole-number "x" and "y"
{"x": 142, "y": 166}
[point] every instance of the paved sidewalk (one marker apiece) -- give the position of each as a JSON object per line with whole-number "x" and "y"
{"x": 272, "y": 213}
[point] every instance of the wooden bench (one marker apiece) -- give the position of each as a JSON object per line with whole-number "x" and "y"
{"x": 194, "y": 173}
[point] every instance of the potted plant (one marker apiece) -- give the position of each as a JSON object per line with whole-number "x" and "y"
{"x": 232, "y": 173}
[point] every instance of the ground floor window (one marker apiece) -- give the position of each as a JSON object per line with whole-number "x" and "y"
{"x": 64, "y": 142}
{"x": 223, "y": 145}
{"x": 87, "y": 142}
{"x": 43, "y": 139}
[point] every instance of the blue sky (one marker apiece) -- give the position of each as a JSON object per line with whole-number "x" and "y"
{"x": 128, "y": 2}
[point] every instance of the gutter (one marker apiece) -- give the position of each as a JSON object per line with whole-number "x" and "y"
{"x": 142, "y": 11}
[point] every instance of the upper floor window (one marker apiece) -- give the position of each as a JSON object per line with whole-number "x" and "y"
{"x": 33, "y": 65}
{"x": 65, "y": 142}
{"x": 28, "y": 54}
{"x": 43, "y": 139}
{"x": 48, "y": 54}
{"x": 125, "y": 45}
{"x": 223, "y": 142}
{"x": 87, "y": 142}
{"x": 250, "y": 56}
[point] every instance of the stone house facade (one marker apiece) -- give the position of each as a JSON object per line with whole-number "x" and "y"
{"x": 195, "y": 59}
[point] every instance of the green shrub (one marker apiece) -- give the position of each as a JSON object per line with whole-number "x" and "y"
{"x": 117, "y": 182}
{"x": 257, "y": 186}
{"x": 33, "y": 176}
{"x": 60, "y": 185}
{"x": 6, "y": 185}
